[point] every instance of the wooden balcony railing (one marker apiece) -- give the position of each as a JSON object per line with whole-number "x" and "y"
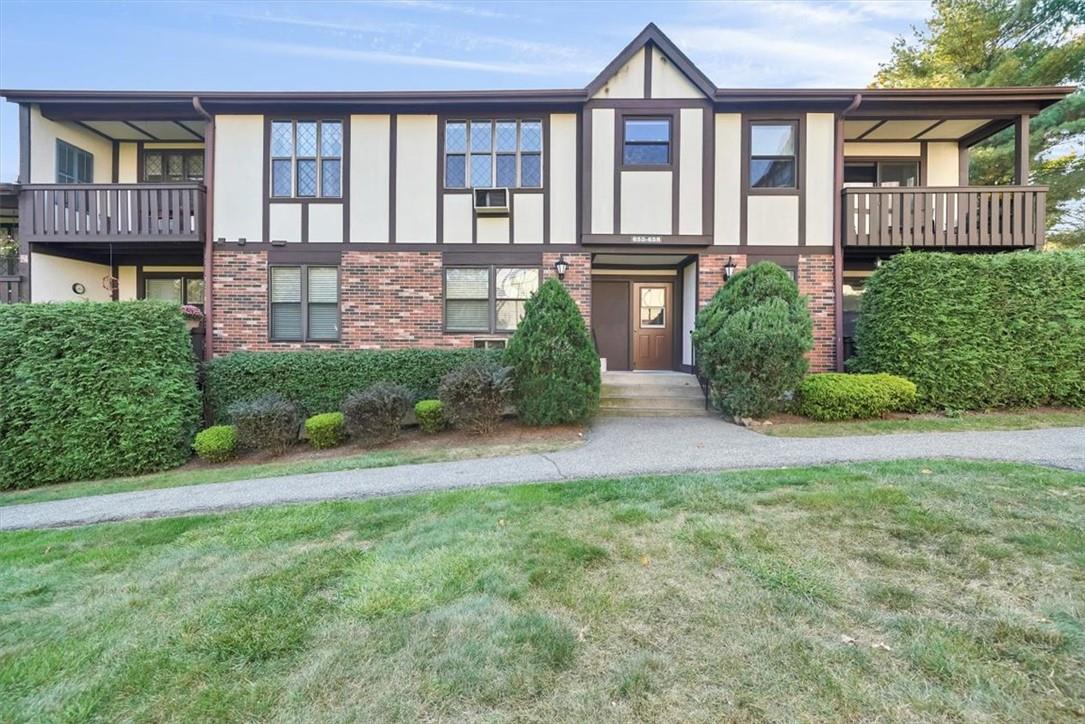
{"x": 992, "y": 216}
{"x": 112, "y": 212}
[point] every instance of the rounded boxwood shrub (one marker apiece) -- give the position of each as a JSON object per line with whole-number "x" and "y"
{"x": 325, "y": 430}
{"x": 976, "y": 331}
{"x": 430, "y": 415}
{"x": 216, "y": 444}
{"x": 375, "y": 415}
{"x": 836, "y": 396}
{"x": 557, "y": 367}
{"x": 751, "y": 341}
{"x": 475, "y": 396}
{"x": 266, "y": 423}
{"x": 94, "y": 390}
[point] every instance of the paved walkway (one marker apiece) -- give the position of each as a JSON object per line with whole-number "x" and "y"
{"x": 615, "y": 447}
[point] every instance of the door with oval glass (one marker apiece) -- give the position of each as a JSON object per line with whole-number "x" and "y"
{"x": 653, "y": 326}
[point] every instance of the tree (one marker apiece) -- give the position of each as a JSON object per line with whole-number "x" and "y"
{"x": 557, "y": 369}
{"x": 977, "y": 43}
{"x": 751, "y": 341}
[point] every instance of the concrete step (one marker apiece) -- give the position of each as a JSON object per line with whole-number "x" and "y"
{"x": 653, "y": 403}
{"x": 682, "y": 391}
{"x": 603, "y": 412}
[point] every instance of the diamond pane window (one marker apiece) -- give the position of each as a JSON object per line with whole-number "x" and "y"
{"x": 306, "y": 138}
{"x": 455, "y": 137}
{"x": 195, "y": 166}
{"x": 481, "y": 136}
{"x": 480, "y": 170}
{"x": 531, "y": 170}
{"x": 330, "y": 178}
{"x": 282, "y": 138}
{"x": 531, "y": 136}
{"x": 455, "y": 171}
{"x": 306, "y": 177}
{"x": 506, "y": 136}
{"x": 152, "y": 164}
{"x": 331, "y": 138}
{"x": 175, "y": 165}
{"x": 281, "y": 183}
{"x": 506, "y": 169}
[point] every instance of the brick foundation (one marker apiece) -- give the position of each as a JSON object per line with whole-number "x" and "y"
{"x": 388, "y": 300}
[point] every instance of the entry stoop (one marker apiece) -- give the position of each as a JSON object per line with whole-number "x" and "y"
{"x": 651, "y": 394}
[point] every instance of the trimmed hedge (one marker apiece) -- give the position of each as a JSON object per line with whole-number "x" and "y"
{"x": 836, "y": 396}
{"x": 430, "y": 415}
{"x": 375, "y": 415}
{"x": 269, "y": 423}
{"x": 93, "y": 390}
{"x": 978, "y": 331}
{"x": 325, "y": 430}
{"x": 319, "y": 380}
{"x": 557, "y": 368}
{"x": 216, "y": 444}
{"x": 474, "y": 396}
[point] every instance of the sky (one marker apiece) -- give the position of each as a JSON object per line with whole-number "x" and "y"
{"x": 427, "y": 44}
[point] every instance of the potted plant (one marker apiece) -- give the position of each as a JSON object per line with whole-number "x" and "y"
{"x": 9, "y": 253}
{"x": 193, "y": 315}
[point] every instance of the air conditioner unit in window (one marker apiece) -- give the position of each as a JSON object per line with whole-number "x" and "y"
{"x": 493, "y": 202}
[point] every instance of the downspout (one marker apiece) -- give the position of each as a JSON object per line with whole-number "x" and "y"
{"x": 838, "y": 233}
{"x": 209, "y": 225}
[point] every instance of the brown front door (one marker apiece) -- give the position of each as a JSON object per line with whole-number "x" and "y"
{"x": 653, "y": 326}
{"x": 610, "y": 318}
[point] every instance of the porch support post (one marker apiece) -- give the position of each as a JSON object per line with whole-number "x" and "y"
{"x": 22, "y": 265}
{"x": 209, "y": 228}
{"x": 962, "y": 165}
{"x": 1020, "y": 150}
{"x": 838, "y": 244}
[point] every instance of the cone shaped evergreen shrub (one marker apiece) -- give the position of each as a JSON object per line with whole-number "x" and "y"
{"x": 557, "y": 367}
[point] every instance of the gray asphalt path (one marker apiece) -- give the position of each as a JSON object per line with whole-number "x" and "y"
{"x": 614, "y": 447}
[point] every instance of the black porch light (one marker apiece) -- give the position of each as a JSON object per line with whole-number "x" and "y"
{"x": 561, "y": 266}
{"x": 728, "y": 269}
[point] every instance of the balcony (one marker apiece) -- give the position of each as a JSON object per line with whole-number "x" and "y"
{"x": 112, "y": 212}
{"x": 944, "y": 217}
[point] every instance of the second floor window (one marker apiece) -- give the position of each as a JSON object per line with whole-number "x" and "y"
{"x": 773, "y": 155}
{"x": 486, "y": 153}
{"x": 74, "y": 165}
{"x": 164, "y": 166}
{"x": 646, "y": 142}
{"x": 304, "y": 303}
{"x": 306, "y": 159}
{"x": 861, "y": 174}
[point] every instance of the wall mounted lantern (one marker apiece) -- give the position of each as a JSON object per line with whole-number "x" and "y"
{"x": 729, "y": 269}
{"x": 561, "y": 266}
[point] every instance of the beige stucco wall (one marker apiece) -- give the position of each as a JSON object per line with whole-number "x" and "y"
{"x": 492, "y": 229}
{"x": 646, "y": 202}
{"x": 602, "y": 171}
{"x": 820, "y": 166}
{"x": 943, "y": 164}
{"x": 627, "y": 81}
{"x": 370, "y": 164}
{"x": 772, "y": 220}
{"x": 325, "y": 222}
{"x": 728, "y": 182}
{"x": 43, "y": 149}
{"x": 527, "y": 218}
{"x": 284, "y": 222}
{"x": 127, "y": 163}
{"x": 562, "y": 191}
{"x": 52, "y": 277}
{"x": 126, "y": 283}
{"x": 668, "y": 81}
{"x": 457, "y": 217}
{"x": 690, "y": 171}
{"x": 416, "y": 178}
{"x": 239, "y": 171}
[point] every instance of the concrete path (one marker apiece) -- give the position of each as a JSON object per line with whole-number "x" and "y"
{"x": 614, "y": 447}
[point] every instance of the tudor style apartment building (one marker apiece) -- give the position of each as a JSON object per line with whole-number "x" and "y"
{"x": 389, "y": 219}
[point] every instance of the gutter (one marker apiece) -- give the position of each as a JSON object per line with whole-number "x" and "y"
{"x": 209, "y": 225}
{"x": 838, "y": 231}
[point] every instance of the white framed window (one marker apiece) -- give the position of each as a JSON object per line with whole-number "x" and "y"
{"x": 306, "y": 159}
{"x": 487, "y": 152}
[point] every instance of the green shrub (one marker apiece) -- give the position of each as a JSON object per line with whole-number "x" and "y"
{"x": 430, "y": 415}
{"x": 266, "y": 423}
{"x": 216, "y": 444}
{"x": 976, "y": 331}
{"x": 557, "y": 367}
{"x": 325, "y": 430}
{"x": 376, "y": 414}
{"x": 751, "y": 340}
{"x": 93, "y": 390}
{"x": 837, "y": 396}
{"x": 319, "y": 380}
{"x": 475, "y": 396}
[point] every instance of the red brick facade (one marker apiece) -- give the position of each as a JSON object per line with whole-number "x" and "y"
{"x": 710, "y": 274}
{"x": 389, "y": 299}
{"x": 816, "y": 282}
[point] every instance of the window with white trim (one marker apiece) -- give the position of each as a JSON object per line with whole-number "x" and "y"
{"x": 488, "y": 298}
{"x": 306, "y": 159}
{"x": 304, "y": 303}
{"x": 489, "y": 153}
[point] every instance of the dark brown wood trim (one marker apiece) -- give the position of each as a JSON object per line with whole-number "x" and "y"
{"x": 188, "y": 130}
{"x": 116, "y": 175}
{"x": 139, "y": 162}
{"x": 664, "y": 240}
{"x": 314, "y": 254}
{"x": 265, "y": 234}
{"x": 304, "y": 223}
{"x": 596, "y": 244}
{"x": 586, "y": 169}
{"x": 708, "y": 172}
{"x": 393, "y": 161}
{"x": 344, "y": 182}
{"x": 1021, "y": 152}
{"x": 506, "y": 257}
{"x": 546, "y": 177}
{"x": 924, "y": 156}
{"x": 619, "y": 134}
{"x": 511, "y": 216}
{"x": 137, "y": 129}
{"x": 838, "y": 242}
{"x": 963, "y": 158}
{"x": 800, "y": 181}
{"x": 676, "y": 171}
{"x": 581, "y": 174}
{"x": 440, "y": 211}
{"x": 746, "y": 190}
{"x": 24, "y": 144}
{"x": 984, "y": 132}
{"x": 648, "y": 56}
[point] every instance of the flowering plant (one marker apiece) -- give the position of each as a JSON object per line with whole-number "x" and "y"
{"x": 8, "y": 246}
{"x": 191, "y": 312}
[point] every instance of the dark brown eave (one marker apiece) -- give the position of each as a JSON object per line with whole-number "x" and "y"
{"x": 652, "y": 35}
{"x": 915, "y": 102}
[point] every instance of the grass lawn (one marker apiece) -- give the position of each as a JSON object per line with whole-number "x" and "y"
{"x": 415, "y": 447}
{"x": 1002, "y": 420}
{"x": 921, "y": 590}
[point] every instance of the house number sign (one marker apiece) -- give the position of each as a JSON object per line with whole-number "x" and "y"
{"x": 647, "y": 239}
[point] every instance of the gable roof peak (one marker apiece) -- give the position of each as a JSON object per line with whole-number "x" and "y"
{"x": 653, "y": 36}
